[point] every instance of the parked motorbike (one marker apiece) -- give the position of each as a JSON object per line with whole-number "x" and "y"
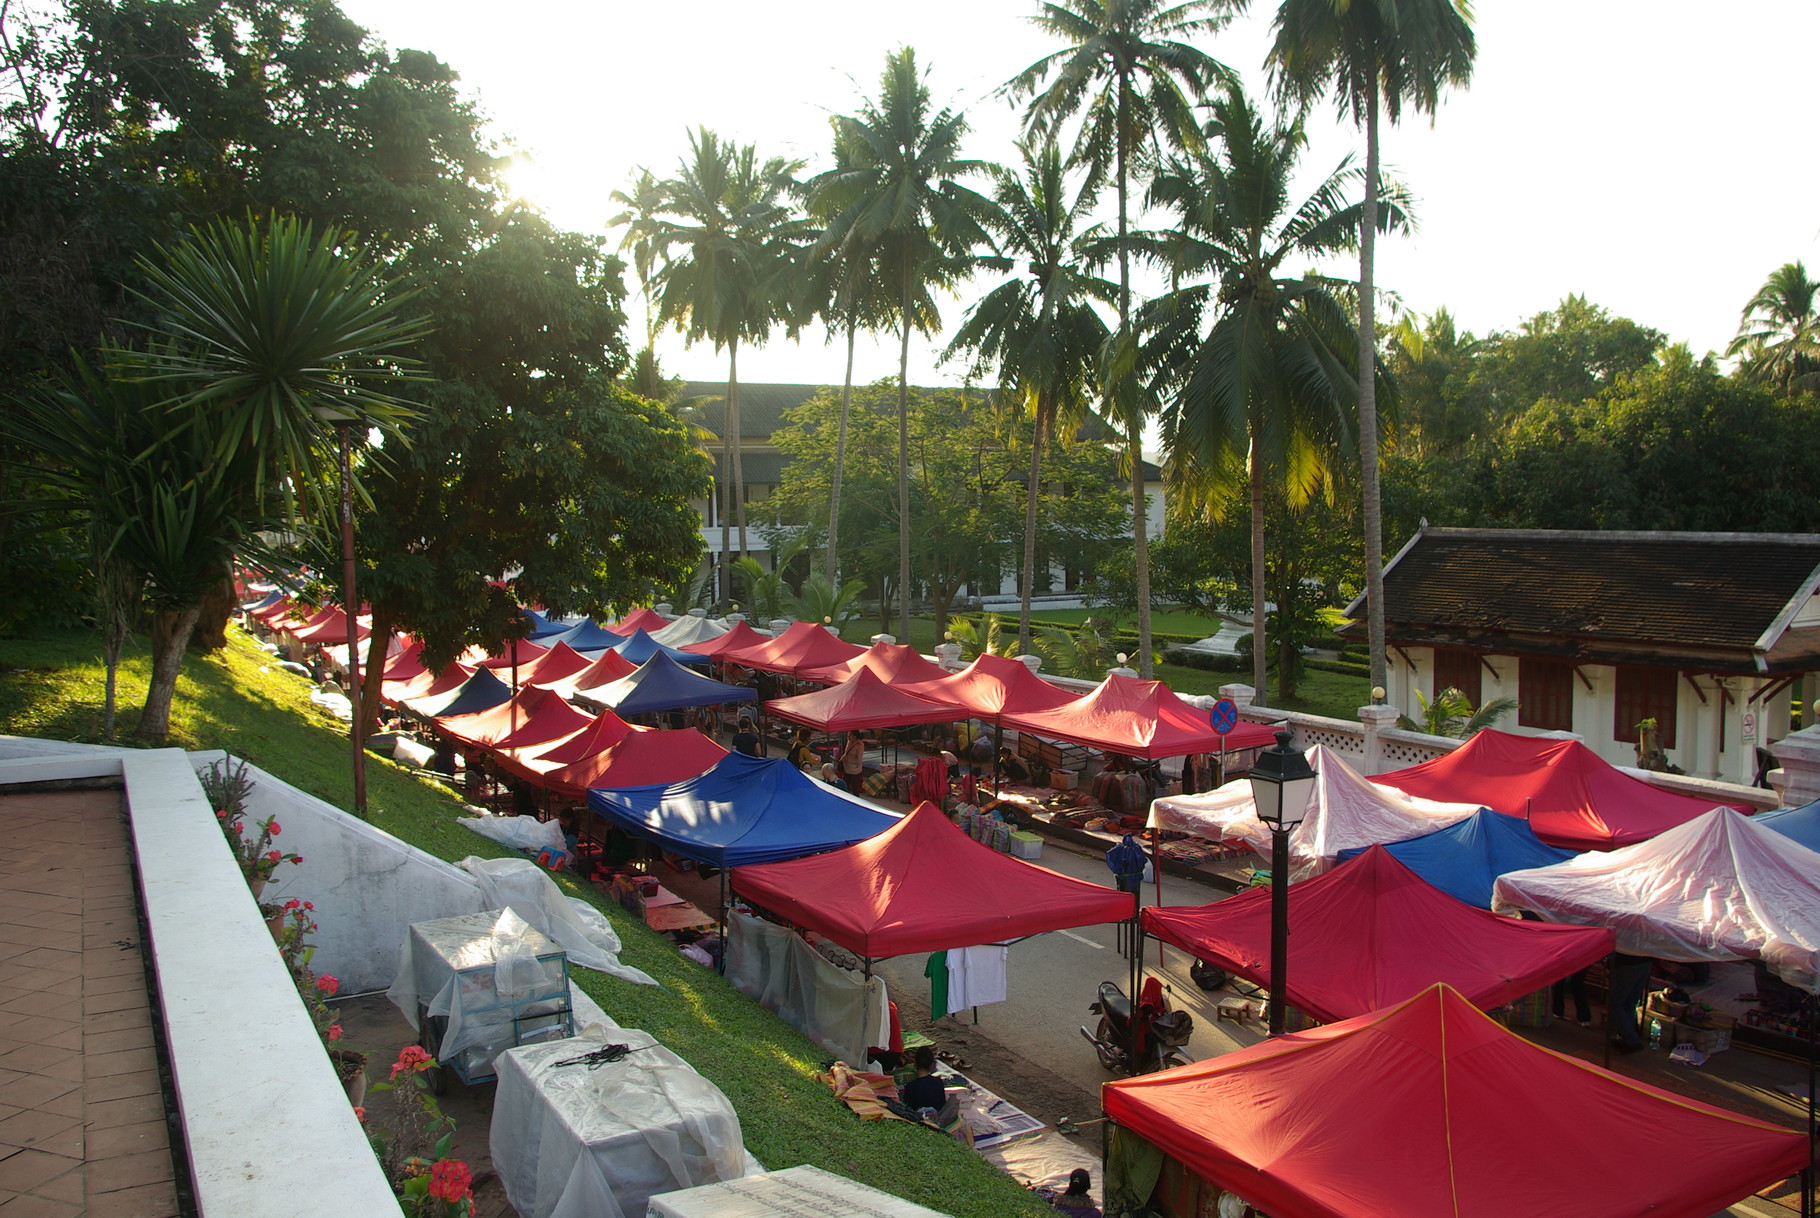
{"x": 1138, "y": 1041}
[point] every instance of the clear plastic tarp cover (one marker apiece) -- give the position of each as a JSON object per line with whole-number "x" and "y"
{"x": 577, "y": 927}
{"x": 1715, "y": 888}
{"x": 839, "y": 1009}
{"x": 492, "y": 976}
{"x": 518, "y": 832}
{"x": 574, "y": 1142}
{"x": 1345, "y": 811}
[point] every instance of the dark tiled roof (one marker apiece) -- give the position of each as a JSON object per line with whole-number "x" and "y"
{"x": 1685, "y": 598}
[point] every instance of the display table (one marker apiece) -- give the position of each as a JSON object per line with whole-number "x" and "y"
{"x": 664, "y": 910}
{"x": 574, "y": 1142}
{"x": 794, "y": 1193}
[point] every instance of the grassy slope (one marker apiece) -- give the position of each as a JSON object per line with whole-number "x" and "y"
{"x": 51, "y": 686}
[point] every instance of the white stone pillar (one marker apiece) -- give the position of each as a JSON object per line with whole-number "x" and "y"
{"x": 1798, "y": 755}
{"x": 1240, "y": 695}
{"x": 665, "y": 608}
{"x": 1032, "y": 662}
{"x": 778, "y": 625}
{"x": 948, "y": 655}
{"x": 1375, "y": 719}
{"x": 882, "y": 638}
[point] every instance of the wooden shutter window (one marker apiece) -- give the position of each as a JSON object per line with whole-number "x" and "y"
{"x": 1545, "y": 695}
{"x": 1646, "y": 693}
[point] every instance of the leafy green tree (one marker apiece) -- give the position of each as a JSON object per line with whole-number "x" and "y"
{"x": 898, "y": 192}
{"x": 1372, "y": 54}
{"x": 1260, "y": 365}
{"x": 1566, "y": 354}
{"x": 1778, "y": 341}
{"x": 1039, "y": 331}
{"x": 724, "y": 238}
{"x": 1452, "y": 714}
{"x": 1131, "y": 75}
{"x": 1442, "y": 408}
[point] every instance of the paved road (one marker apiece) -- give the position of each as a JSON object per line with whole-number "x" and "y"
{"x": 1053, "y": 977}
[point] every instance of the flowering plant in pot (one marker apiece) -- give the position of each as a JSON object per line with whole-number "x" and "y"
{"x": 412, "y": 1138}
{"x": 227, "y": 786}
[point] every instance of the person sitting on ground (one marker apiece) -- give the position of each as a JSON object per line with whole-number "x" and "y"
{"x": 747, "y": 740}
{"x": 926, "y": 1093}
{"x": 801, "y": 755}
{"x": 1078, "y": 1199}
{"x": 1011, "y": 767}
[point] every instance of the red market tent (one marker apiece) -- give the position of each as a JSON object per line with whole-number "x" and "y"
{"x": 603, "y": 732}
{"x": 992, "y": 686}
{"x": 1139, "y": 719}
{"x": 277, "y": 611}
{"x": 553, "y": 665}
{"x": 892, "y": 663}
{"x": 863, "y": 701}
{"x": 740, "y": 637}
{"x": 1431, "y": 1109}
{"x": 328, "y": 626}
{"x": 553, "y": 720}
{"x": 804, "y": 645}
{"x": 1372, "y": 932}
{"x": 645, "y": 757}
{"x": 1571, "y": 796}
{"x": 488, "y": 727}
{"x": 425, "y": 684}
{"x": 524, "y": 650}
{"x": 405, "y": 663}
{"x": 639, "y": 619}
{"x": 922, "y": 886}
{"x": 610, "y": 667}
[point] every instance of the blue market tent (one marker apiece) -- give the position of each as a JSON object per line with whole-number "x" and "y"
{"x": 743, "y": 810}
{"x": 265, "y": 602}
{"x": 539, "y": 624}
{"x": 588, "y": 636}
{"x": 1802, "y": 824}
{"x": 1466, "y": 858}
{"x": 482, "y": 691}
{"x": 661, "y": 684}
{"x": 639, "y": 647}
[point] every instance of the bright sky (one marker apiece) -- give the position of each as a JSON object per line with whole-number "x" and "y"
{"x": 1652, "y": 155}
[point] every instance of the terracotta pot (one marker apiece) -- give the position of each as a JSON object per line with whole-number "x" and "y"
{"x": 351, "y": 1065}
{"x": 275, "y": 924}
{"x": 258, "y": 887}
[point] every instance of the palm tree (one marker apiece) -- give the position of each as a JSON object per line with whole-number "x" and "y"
{"x": 1372, "y": 53}
{"x": 1260, "y": 365}
{"x": 730, "y": 216}
{"x": 898, "y": 194}
{"x": 1039, "y": 331}
{"x": 1779, "y": 338}
{"x": 1131, "y": 76}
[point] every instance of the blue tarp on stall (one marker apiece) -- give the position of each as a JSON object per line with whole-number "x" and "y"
{"x": 538, "y": 623}
{"x": 661, "y": 684}
{"x": 588, "y": 636}
{"x": 1802, "y": 824}
{"x": 482, "y": 691}
{"x": 744, "y": 810}
{"x": 639, "y": 647}
{"x": 1466, "y": 858}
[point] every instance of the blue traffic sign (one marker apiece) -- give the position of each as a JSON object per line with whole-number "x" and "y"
{"x": 1224, "y": 716}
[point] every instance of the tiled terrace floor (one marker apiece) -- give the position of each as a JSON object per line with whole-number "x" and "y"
{"x": 82, "y": 1110}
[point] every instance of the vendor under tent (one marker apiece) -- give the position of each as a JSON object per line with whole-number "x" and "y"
{"x": 743, "y": 810}
{"x": 689, "y": 629}
{"x": 923, "y": 885}
{"x": 646, "y": 620}
{"x": 553, "y": 665}
{"x": 804, "y": 645}
{"x": 1346, "y": 811}
{"x": 609, "y": 667}
{"x": 1572, "y": 797}
{"x": 1799, "y": 824}
{"x": 1137, "y": 718}
{"x": 1719, "y": 887}
{"x": 1430, "y": 1109}
{"x": 518, "y": 652}
{"x": 737, "y": 638}
{"x": 861, "y": 702}
{"x": 646, "y": 757}
{"x": 892, "y": 663}
{"x": 586, "y": 636}
{"x": 639, "y": 647}
{"x": 481, "y": 690}
{"x": 425, "y": 684}
{"x": 990, "y": 687}
{"x": 1371, "y": 932}
{"x": 1465, "y": 859}
{"x": 661, "y": 684}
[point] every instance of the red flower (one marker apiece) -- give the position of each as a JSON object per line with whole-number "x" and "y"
{"x": 297, "y": 858}
{"x": 411, "y": 1057}
{"x": 273, "y": 856}
{"x": 274, "y": 828}
{"x": 327, "y": 984}
{"x": 306, "y": 904}
{"x": 360, "y": 1113}
{"x": 449, "y": 1179}
{"x": 291, "y": 904}
{"x": 334, "y": 1031}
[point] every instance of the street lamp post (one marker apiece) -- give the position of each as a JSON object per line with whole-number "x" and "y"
{"x": 1281, "y": 784}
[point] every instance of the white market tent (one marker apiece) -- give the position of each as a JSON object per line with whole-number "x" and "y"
{"x": 687, "y": 629}
{"x": 1716, "y": 888}
{"x": 1346, "y": 811}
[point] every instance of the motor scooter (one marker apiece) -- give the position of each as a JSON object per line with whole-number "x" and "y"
{"x": 1141, "y": 1041}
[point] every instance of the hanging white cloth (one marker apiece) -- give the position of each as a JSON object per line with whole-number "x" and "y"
{"x": 976, "y": 976}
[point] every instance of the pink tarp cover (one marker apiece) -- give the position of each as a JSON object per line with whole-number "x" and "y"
{"x": 646, "y": 756}
{"x": 1372, "y": 932}
{"x": 992, "y": 686}
{"x": 740, "y": 637}
{"x": 1719, "y": 887}
{"x": 1574, "y": 798}
{"x": 1140, "y": 719}
{"x": 862, "y": 701}
{"x": 923, "y": 886}
{"x": 804, "y": 645}
{"x": 1345, "y": 811}
{"x": 1432, "y": 1110}
{"x": 892, "y": 663}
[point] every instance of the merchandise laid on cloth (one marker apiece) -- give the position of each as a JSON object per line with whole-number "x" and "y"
{"x": 593, "y": 1126}
{"x": 478, "y": 984}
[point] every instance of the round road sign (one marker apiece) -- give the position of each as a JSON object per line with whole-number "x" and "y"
{"x": 1224, "y": 716}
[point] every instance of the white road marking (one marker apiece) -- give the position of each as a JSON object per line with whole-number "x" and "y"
{"x": 1081, "y": 939}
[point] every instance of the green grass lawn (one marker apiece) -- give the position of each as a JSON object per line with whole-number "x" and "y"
{"x": 50, "y": 686}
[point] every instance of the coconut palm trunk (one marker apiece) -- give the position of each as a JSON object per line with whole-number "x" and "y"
{"x": 840, "y": 463}
{"x": 739, "y": 472}
{"x": 1368, "y": 400}
{"x": 903, "y": 462}
{"x": 729, "y": 444}
{"x": 1254, "y": 460}
{"x": 1037, "y": 436}
{"x": 1140, "y": 548}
